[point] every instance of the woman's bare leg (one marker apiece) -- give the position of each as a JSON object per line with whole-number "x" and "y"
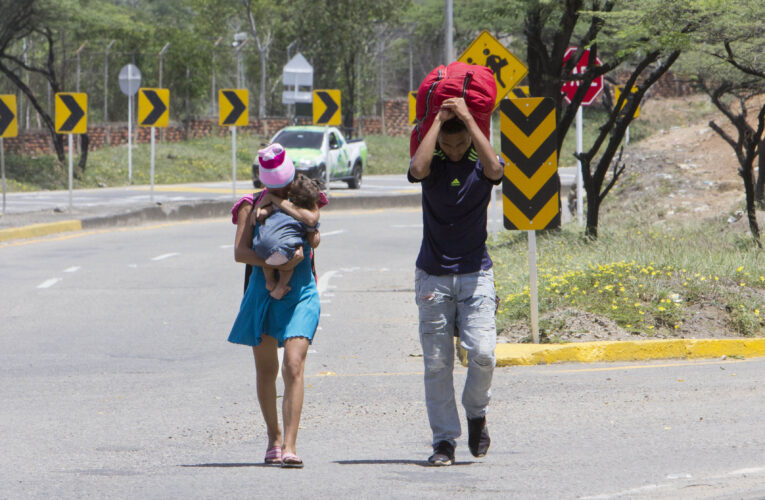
{"x": 267, "y": 369}
{"x": 295, "y": 350}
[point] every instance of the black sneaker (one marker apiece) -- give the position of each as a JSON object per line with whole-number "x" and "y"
{"x": 443, "y": 454}
{"x": 478, "y": 436}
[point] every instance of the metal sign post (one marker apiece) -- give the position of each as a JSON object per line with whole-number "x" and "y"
{"x": 579, "y": 180}
{"x": 531, "y": 185}
{"x": 2, "y": 167}
{"x": 153, "y": 111}
{"x": 71, "y": 117}
{"x": 9, "y": 127}
{"x": 233, "y": 160}
{"x": 71, "y": 170}
{"x": 130, "y": 82}
{"x": 233, "y": 112}
{"x": 151, "y": 197}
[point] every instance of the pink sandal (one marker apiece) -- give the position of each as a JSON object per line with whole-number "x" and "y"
{"x": 291, "y": 461}
{"x": 274, "y": 455}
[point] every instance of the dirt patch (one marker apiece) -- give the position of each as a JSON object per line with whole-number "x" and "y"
{"x": 685, "y": 173}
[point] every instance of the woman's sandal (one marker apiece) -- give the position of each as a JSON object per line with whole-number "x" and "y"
{"x": 291, "y": 461}
{"x": 274, "y": 455}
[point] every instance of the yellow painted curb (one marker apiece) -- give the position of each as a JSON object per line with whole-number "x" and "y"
{"x": 590, "y": 352}
{"x": 35, "y": 230}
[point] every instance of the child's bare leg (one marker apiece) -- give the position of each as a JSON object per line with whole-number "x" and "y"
{"x": 282, "y": 286}
{"x": 270, "y": 275}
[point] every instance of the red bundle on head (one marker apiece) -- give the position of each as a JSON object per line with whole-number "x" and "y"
{"x": 475, "y": 84}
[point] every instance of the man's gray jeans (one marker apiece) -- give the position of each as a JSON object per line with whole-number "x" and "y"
{"x": 464, "y": 301}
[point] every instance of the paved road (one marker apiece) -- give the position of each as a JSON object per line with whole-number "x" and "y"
{"x": 379, "y": 185}
{"x": 376, "y": 185}
{"x": 117, "y": 382}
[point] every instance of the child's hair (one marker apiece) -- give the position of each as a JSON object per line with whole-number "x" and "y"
{"x": 304, "y": 192}
{"x": 453, "y": 126}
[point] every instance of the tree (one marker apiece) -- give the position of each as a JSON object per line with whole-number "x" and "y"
{"x": 729, "y": 68}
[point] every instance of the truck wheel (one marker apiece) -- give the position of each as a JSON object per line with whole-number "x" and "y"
{"x": 322, "y": 176}
{"x": 257, "y": 184}
{"x": 355, "y": 182}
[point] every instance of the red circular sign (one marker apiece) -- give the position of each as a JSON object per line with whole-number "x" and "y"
{"x": 569, "y": 88}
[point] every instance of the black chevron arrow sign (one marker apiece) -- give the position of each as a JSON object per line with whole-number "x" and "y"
{"x": 331, "y": 105}
{"x": 158, "y": 110}
{"x": 6, "y": 117}
{"x": 238, "y": 107}
{"x": 75, "y": 113}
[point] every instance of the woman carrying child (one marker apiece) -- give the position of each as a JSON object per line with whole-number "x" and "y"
{"x": 265, "y": 322}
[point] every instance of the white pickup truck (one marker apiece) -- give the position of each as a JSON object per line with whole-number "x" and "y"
{"x": 314, "y": 149}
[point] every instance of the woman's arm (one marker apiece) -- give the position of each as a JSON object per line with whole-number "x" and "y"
{"x": 243, "y": 251}
{"x": 314, "y": 238}
{"x": 304, "y": 215}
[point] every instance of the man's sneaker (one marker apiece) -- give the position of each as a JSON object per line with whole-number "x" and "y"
{"x": 478, "y": 436}
{"x": 443, "y": 454}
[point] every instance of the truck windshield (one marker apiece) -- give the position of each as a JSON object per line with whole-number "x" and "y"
{"x": 299, "y": 139}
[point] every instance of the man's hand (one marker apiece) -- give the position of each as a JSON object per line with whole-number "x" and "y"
{"x": 456, "y": 106}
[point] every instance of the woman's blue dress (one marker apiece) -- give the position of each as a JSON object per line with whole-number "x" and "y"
{"x": 295, "y": 315}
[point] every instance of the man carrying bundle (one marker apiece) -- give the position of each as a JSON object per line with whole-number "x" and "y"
{"x": 454, "y": 281}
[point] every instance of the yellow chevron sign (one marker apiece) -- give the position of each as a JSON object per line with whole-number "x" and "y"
{"x": 618, "y": 89}
{"x": 71, "y": 113}
{"x": 531, "y": 187}
{"x": 9, "y": 123}
{"x": 153, "y": 107}
{"x": 412, "y": 107}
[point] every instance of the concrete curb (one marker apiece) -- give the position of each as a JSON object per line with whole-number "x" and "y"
{"x": 591, "y": 352}
{"x": 187, "y": 211}
{"x": 36, "y": 230}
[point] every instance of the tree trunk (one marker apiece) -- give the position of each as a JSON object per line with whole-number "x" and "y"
{"x": 751, "y": 211}
{"x": 84, "y": 143}
{"x": 262, "y": 93}
{"x": 759, "y": 193}
{"x": 593, "y": 212}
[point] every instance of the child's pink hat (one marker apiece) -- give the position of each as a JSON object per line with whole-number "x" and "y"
{"x": 276, "y": 168}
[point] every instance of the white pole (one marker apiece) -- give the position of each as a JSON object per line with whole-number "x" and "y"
{"x": 2, "y": 167}
{"x": 493, "y": 199}
{"x": 533, "y": 286}
{"x": 71, "y": 171}
{"x": 233, "y": 160}
{"x": 130, "y": 139}
{"x": 579, "y": 184}
{"x": 152, "y": 164}
{"x": 627, "y": 136}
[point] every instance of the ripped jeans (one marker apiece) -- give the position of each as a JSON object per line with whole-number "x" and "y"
{"x": 467, "y": 302}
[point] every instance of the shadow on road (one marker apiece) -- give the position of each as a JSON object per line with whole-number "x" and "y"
{"x": 421, "y": 463}
{"x": 233, "y": 464}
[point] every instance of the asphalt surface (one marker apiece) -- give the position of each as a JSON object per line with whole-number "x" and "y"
{"x": 118, "y": 383}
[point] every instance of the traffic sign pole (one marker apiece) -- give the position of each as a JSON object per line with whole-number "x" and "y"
{"x": 2, "y": 167}
{"x": 579, "y": 180}
{"x": 71, "y": 170}
{"x": 130, "y": 139}
{"x": 152, "y": 165}
{"x": 326, "y": 168}
{"x": 233, "y": 161}
{"x": 533, "y": 298}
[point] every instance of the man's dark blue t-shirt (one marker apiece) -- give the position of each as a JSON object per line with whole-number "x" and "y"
{"x": 455, "y": 198}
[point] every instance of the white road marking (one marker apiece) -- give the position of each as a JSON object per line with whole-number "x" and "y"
{"x": 49, "y": 283}
{"x": 227, "y": 246}
{"x": 324, "y": 281}
{"x": 326, "y": 315}
{"x": 332, "y": 233}
{"x": 401, "y": 226}
{"x": 72, "y": 269}
{"x": 165, "y": 256}
{"x": 327, "y": 294}
{"x": 133, "y": 266}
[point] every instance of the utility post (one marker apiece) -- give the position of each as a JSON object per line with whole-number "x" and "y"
{"x": 212, "y": 94}
{"x": 106, "y": 93}
{"x": 161, "y": 56}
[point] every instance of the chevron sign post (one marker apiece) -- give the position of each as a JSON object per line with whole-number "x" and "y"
{"x": 233, "y": 112}
{"x": 153, "y": 111}
{"x": 71, "y": 117}
{"x": 531, "y": 186}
